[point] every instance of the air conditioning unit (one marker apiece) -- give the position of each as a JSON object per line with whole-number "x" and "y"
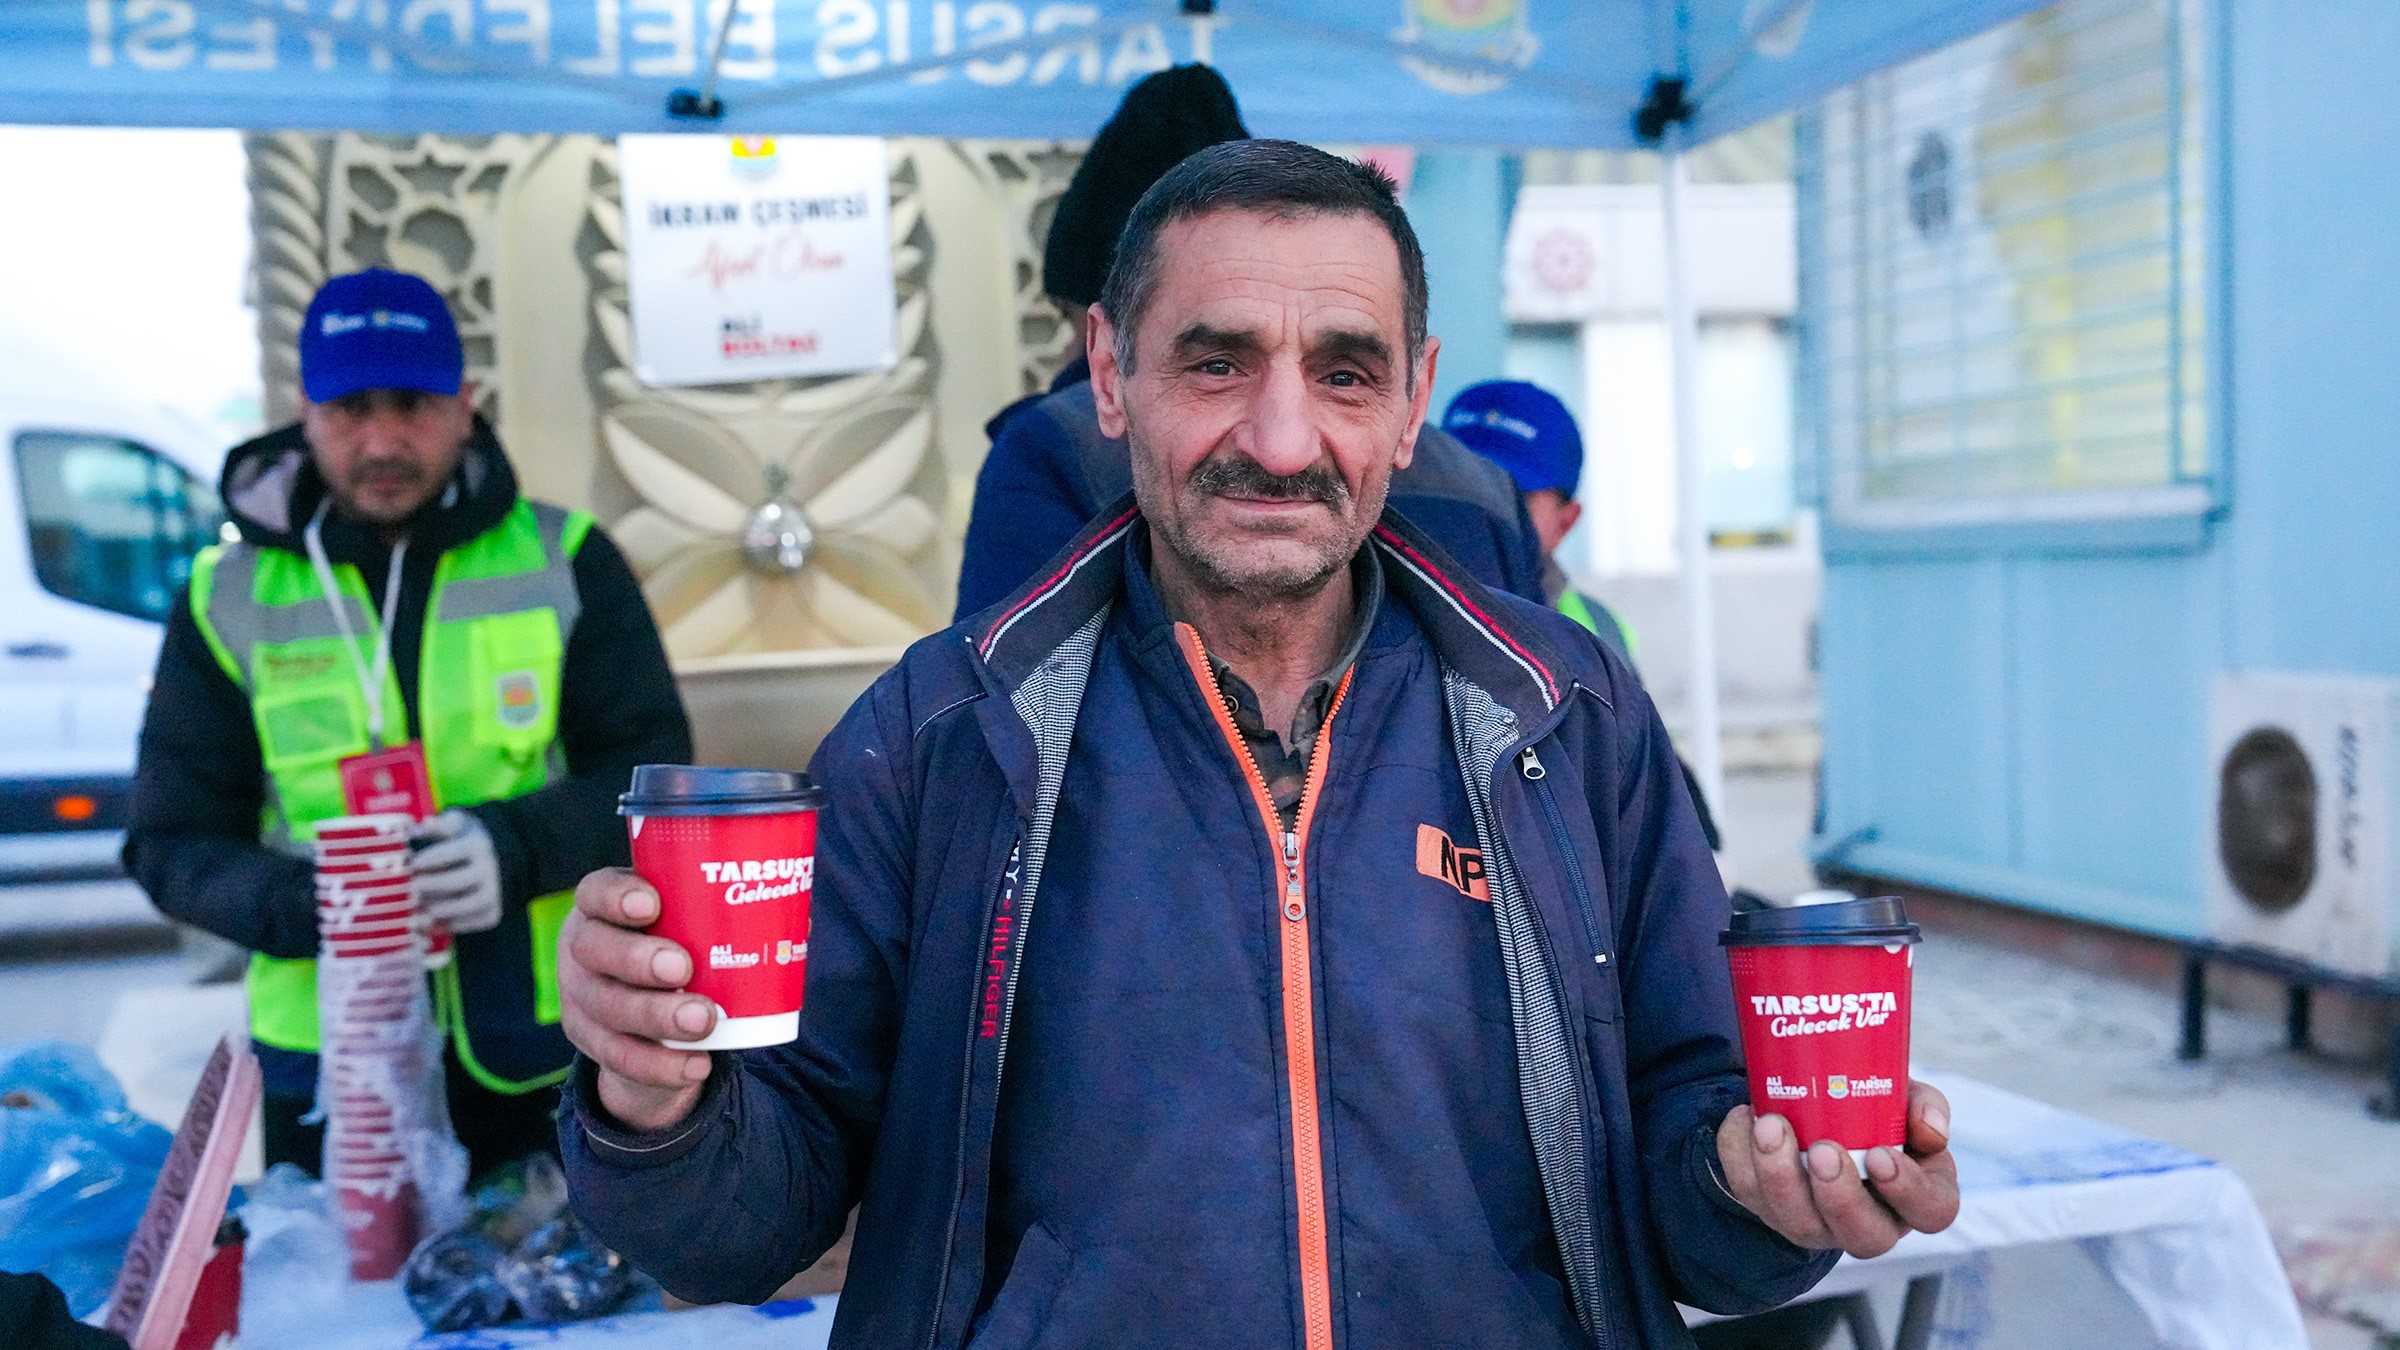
{"x": 2301, "y": 855}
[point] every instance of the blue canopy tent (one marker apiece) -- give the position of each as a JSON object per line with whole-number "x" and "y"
{"x": 1505, "y": 73}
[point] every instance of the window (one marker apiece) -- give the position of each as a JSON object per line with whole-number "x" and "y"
{"x": 111, "y": 524}
{"x": 2002, "y": 276}
{"x": 1744, "y": 379}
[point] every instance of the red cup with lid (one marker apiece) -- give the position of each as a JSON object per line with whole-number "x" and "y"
{"x": 732, "y": 853}
{"x": 1822, "y": 994}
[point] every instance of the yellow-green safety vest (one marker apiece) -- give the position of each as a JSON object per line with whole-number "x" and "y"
{"x": 487, "y": 696}
{"x": 1572, "y": 604}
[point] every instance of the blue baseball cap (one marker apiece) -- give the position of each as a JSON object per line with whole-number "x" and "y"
{"x": 1524, "y": 429}
{"x": 378, "y": 330}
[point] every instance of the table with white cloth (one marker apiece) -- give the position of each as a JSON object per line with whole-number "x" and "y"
{"x": 376, "y": 1317}
{"x": 2176, "y": 1233}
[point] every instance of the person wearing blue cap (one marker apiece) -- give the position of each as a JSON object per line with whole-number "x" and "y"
{"x": 1526, "y": 430}
{"x": 397, "y": 629}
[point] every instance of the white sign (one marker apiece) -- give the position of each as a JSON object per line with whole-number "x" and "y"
{"x": 757, "y": 257}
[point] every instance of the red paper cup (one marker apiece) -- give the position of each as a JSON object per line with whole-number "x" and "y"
{"x": 365, "y": 1151}
{"x": 368, "y": 888}
{"x": 334, "y": 918}
{"x": 395, "y": 945}
{"x": 362, "y": 855}
{"x": 733, "y": 855}
{"x": 395, "y": 854}
{"x": 339, "y": 829}
{"x": 401, "y": 908}
{"x": 334, "y": 885}
{"x": 368, "y": 926}
{"x": 380, "y": 888}
{"x": 380, "y": 1218}
{"x": 331, "y": 905}
{"x": 380, "y": 988}
{"x": 367, "y": 1154}
{"x": 367, "y": 905}
{"x": 1822, "y": 994}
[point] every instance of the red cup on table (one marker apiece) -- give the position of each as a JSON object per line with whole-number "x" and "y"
{"x": 381, "y": 1218}
{"x": 1822, "y": 995}
{"x": 733, "y": 855}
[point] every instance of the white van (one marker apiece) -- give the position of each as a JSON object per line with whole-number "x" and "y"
{"x": 102, "y": 505}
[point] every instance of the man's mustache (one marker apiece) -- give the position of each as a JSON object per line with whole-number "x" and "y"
{"x": 390, "y": 471}
{"x": 1242, "y": 476}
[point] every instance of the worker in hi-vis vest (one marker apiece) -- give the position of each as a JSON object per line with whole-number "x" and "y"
{"x": 392, "y": 602}
{"x": 1526, "y": 430}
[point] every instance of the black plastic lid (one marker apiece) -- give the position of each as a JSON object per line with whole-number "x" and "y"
{"x": 693, "y": 790}
{"x": 1877, "y": 922}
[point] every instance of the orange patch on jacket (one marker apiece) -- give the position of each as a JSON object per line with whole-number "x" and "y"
{"x": 1442, "y": 860}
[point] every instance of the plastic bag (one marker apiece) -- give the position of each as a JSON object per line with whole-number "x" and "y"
{"x": 517, "y": 1198}
{"x": 76, "y": 1168}
{"x": 520, "y": 1258}
{"x": 296, "y": 1264}
{"x": 561, "y": 1273}
{"x": 453, "y": 1282}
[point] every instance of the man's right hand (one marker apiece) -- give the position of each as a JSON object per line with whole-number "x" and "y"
{"x": 619, "y": 996}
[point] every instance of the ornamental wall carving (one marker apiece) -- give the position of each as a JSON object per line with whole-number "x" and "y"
{"x": 792, "y": 535}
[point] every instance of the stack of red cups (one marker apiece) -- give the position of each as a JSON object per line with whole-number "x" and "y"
{"x": 375, "y": 1025}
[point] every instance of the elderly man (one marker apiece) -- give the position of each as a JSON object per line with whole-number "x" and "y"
{"x": 394, "y": 604}
{"x": 1250, "y": 933}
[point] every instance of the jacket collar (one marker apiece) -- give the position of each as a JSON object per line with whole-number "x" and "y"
{"x": 1472, "y": 629}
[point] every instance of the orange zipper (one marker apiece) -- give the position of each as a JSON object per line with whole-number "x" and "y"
{"x": 1299, "y": 999}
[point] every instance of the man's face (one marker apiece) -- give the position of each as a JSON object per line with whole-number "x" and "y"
{"x": 384, "y": 453}
{"x": 1553, "y": 515}
{"x": 1270, "y": 397}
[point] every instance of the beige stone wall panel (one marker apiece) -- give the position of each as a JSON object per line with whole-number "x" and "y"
{"x": 792, "y": 535}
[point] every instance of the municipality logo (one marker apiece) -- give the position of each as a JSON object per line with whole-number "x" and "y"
{"x": 754, "y": 156}
{"x": 1453, "y": 44}
{"x": 519, "y": 699}
{"x": 1837, "y": 1086}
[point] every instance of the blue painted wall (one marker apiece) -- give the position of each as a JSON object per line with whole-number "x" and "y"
{"x": 2030, "y": 723}
{"x": 1458, "y": 201}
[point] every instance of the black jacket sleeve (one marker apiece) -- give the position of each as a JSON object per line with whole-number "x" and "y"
{"x": 618, "y": 707}
{"x": 199, "y": 784}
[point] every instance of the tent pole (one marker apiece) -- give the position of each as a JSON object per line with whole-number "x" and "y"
{"x": 1703, "y": 735}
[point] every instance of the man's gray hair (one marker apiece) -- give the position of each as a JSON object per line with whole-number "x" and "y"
{"x": 1282, "y": 179}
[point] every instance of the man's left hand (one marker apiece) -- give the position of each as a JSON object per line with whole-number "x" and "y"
{"x": 458, "y": 872}
{"x": 1815, "y": 1196}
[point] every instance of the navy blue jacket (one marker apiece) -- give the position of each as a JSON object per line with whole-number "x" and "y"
{"x": 1602, "y": 1014}
{"x": 1050, "y": 473}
